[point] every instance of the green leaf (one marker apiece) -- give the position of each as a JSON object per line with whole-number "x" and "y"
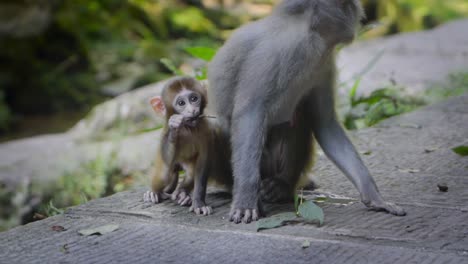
{"x": 296, "y": 202}
{"x": 352, "y": 93}
{"x": 203, "y": 53}
{"x": 311, "y": 212}
{"x": 461, "y": 150}
{"x": 101, "y": 230}
{"x": 201, "y": 74}
{"x": 275, "y": 220}
{"x": 320, "y": 199}
{"x": 171, "y": 66}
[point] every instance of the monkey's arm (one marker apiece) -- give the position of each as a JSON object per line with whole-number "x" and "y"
{"x": 336, "y": 145}
{"x": 168, "y": 148}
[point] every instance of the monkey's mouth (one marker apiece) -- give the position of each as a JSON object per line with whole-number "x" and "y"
{"x": 192, "y": 121}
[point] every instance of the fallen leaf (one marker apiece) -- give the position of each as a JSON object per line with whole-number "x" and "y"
{"x": 367, "y": 153}
{"x": 431, "y": 149}
{"x": 320, "y": 199}
{"x": 306, "y": 244}
{"x": 64, "y": 249}
{"x": 410, "y": 125}
{"x": 58, "y": 228}
{"x": 410, "y": 170}
{"x": 275, "y": 220}
{"x": 311, "y": 212}
{"x": 101, "y": 230}
{"x": 39, "y": 216}
{"x": 461, "y": 150}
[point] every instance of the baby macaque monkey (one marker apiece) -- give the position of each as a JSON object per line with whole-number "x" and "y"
{"x": 189, "y": 143}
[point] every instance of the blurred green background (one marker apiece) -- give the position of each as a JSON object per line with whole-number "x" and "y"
{"x": 60, "y": 57}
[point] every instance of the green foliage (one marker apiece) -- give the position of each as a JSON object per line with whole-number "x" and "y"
{"x": 95, "y": 179}
{"x": 171, "y": 66}
{"x": 296, "y": 202}
{"x": 461, "y": 150}
{"x": 383, "y": 103}
{"x": 455, "y": 85}
{"x": 92, "y": 44}
{"x": 203, "y": 53}
{"x": 410, "y": 15}
{"x": 191, "y": 20}
{"x": 379, "y": 105}
{"x": 50, "y": 209}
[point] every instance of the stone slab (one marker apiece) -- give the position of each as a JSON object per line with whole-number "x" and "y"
{"x": 435, "y": 229}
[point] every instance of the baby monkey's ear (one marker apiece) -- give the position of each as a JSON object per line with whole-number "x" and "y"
{"x": 158, "y": 105}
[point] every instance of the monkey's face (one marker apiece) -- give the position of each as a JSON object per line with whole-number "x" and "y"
{"x": 336, "y": 20}
{"x": 188, "y": 103}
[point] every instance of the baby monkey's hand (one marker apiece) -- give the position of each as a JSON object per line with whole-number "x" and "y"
{"x": 176, "y": 121}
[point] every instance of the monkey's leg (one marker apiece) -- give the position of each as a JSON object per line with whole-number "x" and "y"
{"x": 202, "y": 169}
{"x": 289, "y": 149}
{"x": 163, "y": 182}
{"x": 336, "y": 145}
{"x": 172, "y": 179}
{"x": 248, "y": 139}
{"x": 182, "y": 193}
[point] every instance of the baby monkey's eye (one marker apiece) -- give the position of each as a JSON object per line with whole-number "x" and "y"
{"x": 193, "y": 98}
{"x": 181, "y": 103}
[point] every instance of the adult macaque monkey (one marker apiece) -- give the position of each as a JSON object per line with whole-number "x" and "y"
{"x": 190, "y": 143}
{"x": 272, "y": 85}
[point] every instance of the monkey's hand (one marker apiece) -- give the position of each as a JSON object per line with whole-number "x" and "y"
{"x": 381, "y": 205}
{"x": 200, "y": 208}
{"x": 176, "y": 121}
{"x": 154, "y": 197}
{"x": 181, "y": 197}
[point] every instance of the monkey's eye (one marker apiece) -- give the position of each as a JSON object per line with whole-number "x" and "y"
{"x": 193, "y": 98}
{"x": 181, "y": 103}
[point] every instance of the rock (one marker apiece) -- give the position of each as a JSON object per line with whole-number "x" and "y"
{"x": 433, "y": 231}
{"x": 413, "y": 60}
{"x": 126, "y": 114}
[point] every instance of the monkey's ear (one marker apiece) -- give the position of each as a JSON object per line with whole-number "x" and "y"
{"x": 295, "y": 6}
{"x": 158, "y": 105}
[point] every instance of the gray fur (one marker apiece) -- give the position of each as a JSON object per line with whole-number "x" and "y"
{"x": 276, "y": 70}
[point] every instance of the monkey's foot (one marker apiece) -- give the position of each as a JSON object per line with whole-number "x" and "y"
{"x": 245, "y": 215}
{"x": 201, "y": 209}
{"x": 153, "y": 197}
{"x": 181, "y": 197}
{"x": 386, "y": 206}
{"x": 274, "y": 190}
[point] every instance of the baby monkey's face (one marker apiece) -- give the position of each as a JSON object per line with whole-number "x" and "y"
{"x": 188, "y": 103}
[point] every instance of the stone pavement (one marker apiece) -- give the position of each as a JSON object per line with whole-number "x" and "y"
{"x": 408, "y": 156}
